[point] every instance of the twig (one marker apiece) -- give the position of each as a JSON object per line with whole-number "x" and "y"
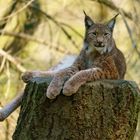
{"x": 134, "y": 45}
{"x": 8, "y": 81}
{"x": 30, "y": 38}
{"x": 51, "y": 34}
{"x": 111, "y": 5}
{"x": 75, "y": 31}
{"x": 18, "y": 11}
{"x": 8, "y": 5}
{"x": 2, "y": 64}
{"x": 12, "y": 60}
{"x": 58, "y": 24}
{"x": 7, "y": 129}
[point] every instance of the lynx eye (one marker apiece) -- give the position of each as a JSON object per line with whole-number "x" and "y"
{"x": 105, "y": 34}
{"x": 94, "y": 33}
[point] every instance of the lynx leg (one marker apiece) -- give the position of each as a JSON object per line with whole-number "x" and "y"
{"x": 80, "y": 78}
{"x": 73, "y": 84}
{"x": 55, "y": 87}
{"x": 59, "y": 79}
{"x": 9, "y": 108}
{"x": 27, "y": 76}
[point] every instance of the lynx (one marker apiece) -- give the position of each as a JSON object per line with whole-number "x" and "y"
{"x": 99, "y": 59}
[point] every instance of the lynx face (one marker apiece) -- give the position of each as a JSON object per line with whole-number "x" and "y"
{"x": 99, "y": 36}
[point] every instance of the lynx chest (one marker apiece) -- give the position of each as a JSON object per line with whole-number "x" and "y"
{"x": 91, "y": 59}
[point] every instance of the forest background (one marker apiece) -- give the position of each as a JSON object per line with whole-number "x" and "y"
{"x": 37, "y": 34}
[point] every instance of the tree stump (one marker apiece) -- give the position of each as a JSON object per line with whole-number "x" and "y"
{"x": 101, "y": 110}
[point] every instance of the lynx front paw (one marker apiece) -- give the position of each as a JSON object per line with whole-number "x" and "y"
{"x": 27, "y": 76}
{"x": 70, "y": 89}
{"x": 52, "y": 92}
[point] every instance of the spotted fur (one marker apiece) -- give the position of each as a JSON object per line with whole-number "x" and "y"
{"x": 99, "y": 59}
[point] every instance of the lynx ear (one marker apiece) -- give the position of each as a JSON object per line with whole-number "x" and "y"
{"x": 88, "y": 21}
{"x": 111, "y": 23}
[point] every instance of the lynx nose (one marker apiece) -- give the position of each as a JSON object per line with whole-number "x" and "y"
{"x": 100, "y": 44}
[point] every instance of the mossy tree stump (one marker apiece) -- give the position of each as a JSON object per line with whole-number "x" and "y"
{"x": 102, "y": 110}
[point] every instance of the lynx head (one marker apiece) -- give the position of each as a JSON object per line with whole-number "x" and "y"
{"x": 99, "y": 36}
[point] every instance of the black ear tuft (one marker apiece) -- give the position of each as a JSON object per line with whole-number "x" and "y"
{"x": 111, "y": 22}
{"x": 84, "y": 13}
{"x": 88, "y": 21}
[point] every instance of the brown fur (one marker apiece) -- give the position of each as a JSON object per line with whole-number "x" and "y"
{"x": 99, "y": 59}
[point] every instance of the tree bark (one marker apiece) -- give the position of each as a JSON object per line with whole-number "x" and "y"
{"x": 101, "y": 110}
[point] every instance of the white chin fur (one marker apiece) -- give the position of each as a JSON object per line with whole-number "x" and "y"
{"x": 103, "y": 50}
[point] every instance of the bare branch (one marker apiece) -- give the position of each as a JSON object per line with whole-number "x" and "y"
{"x": 12, "y": 60}
{"x": 20, "y": 10}
{"x": 111, "y": 5}
{"x": 58, "y": 24}
{"x": 2, "y": 64}
{"x": 30, "y": 38}
{"x": 134, "y": 45}
{"x": 75, "y": 31}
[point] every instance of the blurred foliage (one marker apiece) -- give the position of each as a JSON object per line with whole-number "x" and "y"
{"x": 36, "y": 34}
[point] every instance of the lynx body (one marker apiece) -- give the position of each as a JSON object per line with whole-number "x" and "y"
{"x": 98, "y": 59}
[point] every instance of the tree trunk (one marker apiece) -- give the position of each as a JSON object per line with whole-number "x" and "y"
{"x": 102, "y": 110}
